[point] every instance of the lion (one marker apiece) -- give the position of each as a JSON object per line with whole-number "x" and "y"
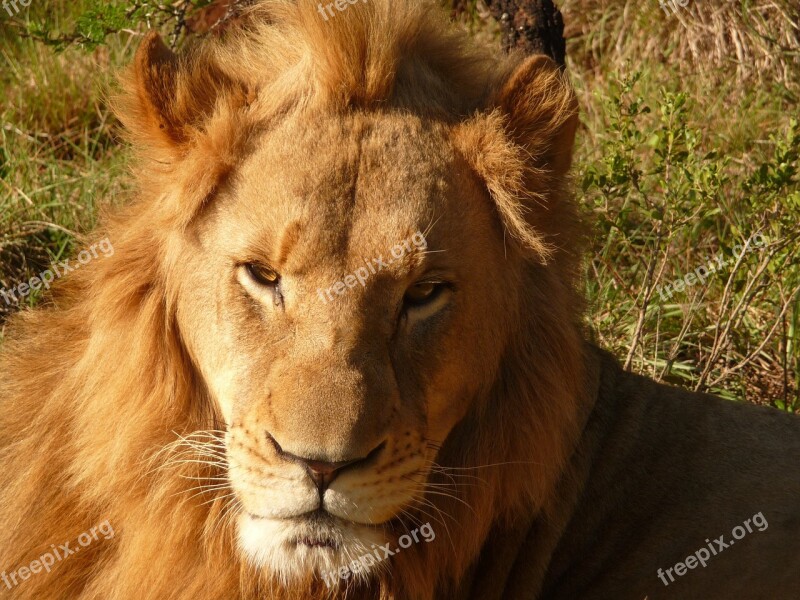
{"x": 338, "y": 352}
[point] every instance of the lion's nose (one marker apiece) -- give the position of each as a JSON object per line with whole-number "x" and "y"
{"x": 321, "y": 472}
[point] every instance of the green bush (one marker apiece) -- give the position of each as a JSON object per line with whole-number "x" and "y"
{"x": 666, "y": 203}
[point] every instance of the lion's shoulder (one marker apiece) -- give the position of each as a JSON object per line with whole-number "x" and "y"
{"x": 661, "y": 469}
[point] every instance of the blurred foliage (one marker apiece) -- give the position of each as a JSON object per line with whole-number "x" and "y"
{"x": 98, "y": 19}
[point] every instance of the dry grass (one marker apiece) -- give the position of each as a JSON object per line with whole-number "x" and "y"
{"x": 59, "y": 154}
{"x": 758, "y": 42}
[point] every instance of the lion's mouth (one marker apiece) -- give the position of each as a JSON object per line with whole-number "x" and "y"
{"x": 311, "y": 542}
{"x": 319, "y": 530}
{"x": 319, "y": 518}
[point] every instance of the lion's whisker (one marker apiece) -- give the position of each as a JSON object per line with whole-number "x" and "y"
{"x": 442, "y": 513}
{"x": 219, "y": 499}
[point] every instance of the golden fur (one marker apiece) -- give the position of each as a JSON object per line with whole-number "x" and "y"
{"x": 97, "y": 385}
{"x": 163, "y": 389}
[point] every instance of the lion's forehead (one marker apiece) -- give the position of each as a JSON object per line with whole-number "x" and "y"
{"x": 364, "y": 156}
{"x": 354, "y": 186}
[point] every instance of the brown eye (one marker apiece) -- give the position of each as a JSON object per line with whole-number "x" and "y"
{"x": 263, "y": 275}
{"x": 422, "y": 293}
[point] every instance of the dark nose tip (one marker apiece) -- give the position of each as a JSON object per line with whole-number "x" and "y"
{"x": 321, "y": 472}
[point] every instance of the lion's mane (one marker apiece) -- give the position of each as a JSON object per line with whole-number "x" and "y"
{"x": 96, "y": 383}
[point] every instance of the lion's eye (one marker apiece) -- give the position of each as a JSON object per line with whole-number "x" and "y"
{"x": 423, "y": 293}
{"x": 261, "y": 282}
{"x": 262, "y": 275}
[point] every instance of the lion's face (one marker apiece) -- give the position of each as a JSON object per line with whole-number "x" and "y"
{"x": 328, "y": 294}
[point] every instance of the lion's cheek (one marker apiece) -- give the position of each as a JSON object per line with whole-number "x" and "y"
{"x": 211, "y": 347}
{"x": 222, "y": 384}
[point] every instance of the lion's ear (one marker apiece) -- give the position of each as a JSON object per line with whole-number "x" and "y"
{"x": 541, "y": 113}
{"x": 521, "y": 146}
{"x": 168, "y": 100}
{"x": 153, "y": 83}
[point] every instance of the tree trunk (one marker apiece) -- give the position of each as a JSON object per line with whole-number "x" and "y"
{"x": 533, "y": 26}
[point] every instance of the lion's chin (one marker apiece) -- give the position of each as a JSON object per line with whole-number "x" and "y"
{"x": 295, "y": 549}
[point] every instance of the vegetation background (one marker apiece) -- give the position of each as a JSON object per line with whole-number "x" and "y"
{"x": 689, "y": 145}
